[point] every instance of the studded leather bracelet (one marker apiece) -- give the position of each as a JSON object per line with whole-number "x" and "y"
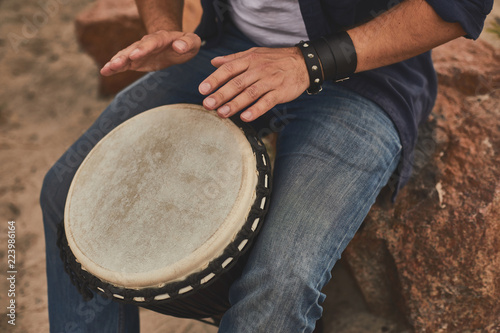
{"x": 313, "y": 67}
{"x": 328, "y": 58}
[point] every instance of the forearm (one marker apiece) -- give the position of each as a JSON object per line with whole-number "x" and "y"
{"x": 404, "y": 31}
{"x": 161, "y": 14}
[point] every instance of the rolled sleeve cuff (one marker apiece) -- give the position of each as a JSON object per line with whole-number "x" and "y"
{"x": 469, "y": 13}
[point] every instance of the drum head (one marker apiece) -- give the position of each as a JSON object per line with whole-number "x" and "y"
{"x": 160, "y": 196}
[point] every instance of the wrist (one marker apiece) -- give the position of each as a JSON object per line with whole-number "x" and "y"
{"x": 162, "y": 25}
{"x": 328, "y": 58}
{"x": 313, "y": 66}
{"x": 338, "y": 56}
{"x": 161, "y": 15}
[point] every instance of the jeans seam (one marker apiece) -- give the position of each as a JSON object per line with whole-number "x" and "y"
{"x": 345, "y": 235}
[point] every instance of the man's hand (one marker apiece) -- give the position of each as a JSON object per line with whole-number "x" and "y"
{"x": 153, "y": 52}
{"x": 264, "y": 76}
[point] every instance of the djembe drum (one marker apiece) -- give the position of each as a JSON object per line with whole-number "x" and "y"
{"x": 162, "y": 210}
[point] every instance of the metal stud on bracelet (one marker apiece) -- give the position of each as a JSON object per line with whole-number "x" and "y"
{"x": 313, "y": 67}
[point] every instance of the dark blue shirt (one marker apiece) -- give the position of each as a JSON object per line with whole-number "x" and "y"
{"x": 406, "y": 90}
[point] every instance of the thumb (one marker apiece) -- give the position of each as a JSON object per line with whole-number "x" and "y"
{"x": 186, "y": 43}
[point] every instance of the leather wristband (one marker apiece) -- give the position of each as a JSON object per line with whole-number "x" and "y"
{"x": 344, "y": 53}
{"x": 313, "y": 67}
{"x": 326, "y": 58}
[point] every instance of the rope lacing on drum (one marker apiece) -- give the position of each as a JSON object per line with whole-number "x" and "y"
{"x": 78, "y": 280}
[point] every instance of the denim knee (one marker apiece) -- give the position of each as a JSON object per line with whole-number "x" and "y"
{"x": 55, "y": 187}
{"x": 282, "y": 298}
{"x": 47, "y": 192}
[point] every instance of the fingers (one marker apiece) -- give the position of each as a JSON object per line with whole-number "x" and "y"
{"x": 160, "y": 40}
{"x": 240, "y": 91}
{"x": 150, "y": 43}
{"x": 236, "y": 100}
{"x": 221, "y": 60}
{"x": 223, "y": 74}
{"x": 123, "y": 60}
{"x": 257, "y": 79}
{"x": 228, "y": 91}
{"x": 237, "y": 91}
{"x": 138, "y": 55}
{"x": 251, "y": 94}
{"x": 243, "y": 91}
{"x": 264, "y": 104}
{"x": 112, "y": 67}
{"x": 119, "y": 62}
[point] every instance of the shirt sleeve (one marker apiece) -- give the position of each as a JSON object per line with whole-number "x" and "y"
{"x": 469, "y": 13}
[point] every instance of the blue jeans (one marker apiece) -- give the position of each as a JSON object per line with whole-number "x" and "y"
{"x": 335, "y": 152}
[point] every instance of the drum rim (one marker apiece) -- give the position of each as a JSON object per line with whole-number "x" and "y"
{"x": 200, "y": 278}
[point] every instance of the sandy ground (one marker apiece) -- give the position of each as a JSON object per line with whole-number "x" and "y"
{"x": 48, "y": 96}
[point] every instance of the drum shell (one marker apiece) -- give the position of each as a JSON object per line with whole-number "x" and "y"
{"x": 205, "y": 300}
{"x": 209, "y": 302}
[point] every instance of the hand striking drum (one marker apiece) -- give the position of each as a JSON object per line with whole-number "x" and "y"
{"x": 162, "y": 209}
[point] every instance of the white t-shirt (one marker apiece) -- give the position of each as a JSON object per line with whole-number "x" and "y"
{"x": 269, "y": 23}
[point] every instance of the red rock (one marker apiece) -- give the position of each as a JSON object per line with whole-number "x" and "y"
{"x": 462, "y": 64}
{"x": 108, "y": 26}
{"x": 433, "y": 258}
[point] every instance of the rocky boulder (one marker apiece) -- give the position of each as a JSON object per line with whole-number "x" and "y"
{"x": 108, "y": 26}
{"x": 433, "y": 258}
